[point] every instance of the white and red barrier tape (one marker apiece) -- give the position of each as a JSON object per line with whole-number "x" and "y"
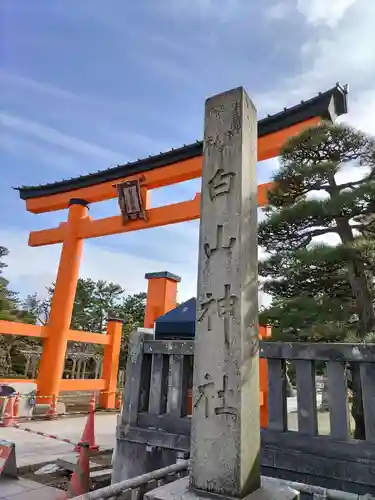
{"x": 52, "y": 436}
{"x": 44, "y": 434}
{"x": 61, "y": 398}
{"x": 63, "y": 414}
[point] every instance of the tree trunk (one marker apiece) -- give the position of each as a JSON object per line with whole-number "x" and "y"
{"x": 290, "y": 391}
{"x": 366, "y": 324}
{"x": 9, "y": 359}
{"x": 356, "y": 271}
{"x": 360, "y": 288}
{"x": 358, "y": 282}
{"x": 357, "y": 405}
{"x": 359, "y": 419}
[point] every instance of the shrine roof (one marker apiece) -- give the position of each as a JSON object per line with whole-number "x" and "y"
{"x": 326, "y": 105}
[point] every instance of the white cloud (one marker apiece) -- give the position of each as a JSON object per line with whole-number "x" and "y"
{"x": 351, "y": 173}
{"x": 347, "y": 55}
{"x": 362, "y": 111}
{"x": 344, "y": 53}
{"x": 219, "y": 11}
{"x": 316, "y": 12}
{"x": 32, "y": 269}
{"x": 278, "y": 11}
{"x": 324, "y": 11}
{"x": 21, "y": 147}
{"x": 30, "y": 84}
{"x": 52, "y": 136}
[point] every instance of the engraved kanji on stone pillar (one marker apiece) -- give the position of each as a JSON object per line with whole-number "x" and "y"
{"x": 225, "y": 439}
{"x": 223, "y": 307}
{"x": 220, "y": 183}
{"x": 227, "y": 310}
{"x": 219, "y": 243}
{"x": 224, "y": 394}
{"x": 207, "y": 307}
{"x": 205, "y": 395}
{"x": 214, "y": 400}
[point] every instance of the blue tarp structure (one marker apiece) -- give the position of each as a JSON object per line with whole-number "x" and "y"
{"x": 178, "y": 323}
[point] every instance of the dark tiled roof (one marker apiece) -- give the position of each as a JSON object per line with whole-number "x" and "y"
{"x": 163, "y": 274}
{"x": 327, "y": 105}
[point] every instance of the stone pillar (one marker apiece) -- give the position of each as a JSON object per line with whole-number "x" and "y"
{"x": 161, "y": 295}
{"x": 131, "y": 458}
{"x": 225, "y": 440}
{"x": 225, "y": 436}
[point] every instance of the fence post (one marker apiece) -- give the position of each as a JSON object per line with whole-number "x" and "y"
{"x": 107, "y": 399}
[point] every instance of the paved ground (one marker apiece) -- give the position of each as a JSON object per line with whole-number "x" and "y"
{"x": 33, "y": 449}
{"x": 23, "y": 489}
{"x": 323, "y": 418}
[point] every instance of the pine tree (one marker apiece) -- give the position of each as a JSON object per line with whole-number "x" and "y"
{"x": 94, "y": 301}
{"x": 8, "y": 312}
{"x": 333, "y": 283}
{"x": 322, "y": 290}
{"x": 8, "y": 299}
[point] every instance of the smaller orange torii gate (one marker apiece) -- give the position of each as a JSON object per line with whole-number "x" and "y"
{"x": 141, "y": 177}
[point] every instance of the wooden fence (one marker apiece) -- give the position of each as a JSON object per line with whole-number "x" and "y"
{"x": 106, "y": 384}
{"x": 295, "y": 446}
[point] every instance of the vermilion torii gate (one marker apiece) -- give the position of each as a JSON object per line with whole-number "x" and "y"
{"x": 168, "y": 168}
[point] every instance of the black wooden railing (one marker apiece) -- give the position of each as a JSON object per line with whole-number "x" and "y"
{"x": 155, "y": 415}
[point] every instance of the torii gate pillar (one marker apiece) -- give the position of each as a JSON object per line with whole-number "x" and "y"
{"x": 54, "y": 347}
{"x": 161, "y": 295}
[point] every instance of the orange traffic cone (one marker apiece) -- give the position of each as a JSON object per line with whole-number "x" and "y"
{"x": 8, "y": 419}
{"x": 92, "y": 404}
{"x": 52, "y": 410}
{"x": 88, "y": 435}
{"x": 80, "y": 481}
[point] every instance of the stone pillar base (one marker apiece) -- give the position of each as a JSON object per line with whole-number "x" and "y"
{"x": 179, "y": 490}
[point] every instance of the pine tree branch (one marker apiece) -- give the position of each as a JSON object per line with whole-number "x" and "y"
{"x": 353, "y": 183}
{"x": 308, "y": 236}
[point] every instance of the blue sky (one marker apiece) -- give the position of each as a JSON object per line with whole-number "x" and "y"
{"x": 86, "y": 85}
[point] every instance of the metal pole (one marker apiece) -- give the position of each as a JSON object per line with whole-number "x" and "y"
{"x": 133, "y": 483}
{"x": 116, "y": 489}
{"x": 322, "y": 493}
